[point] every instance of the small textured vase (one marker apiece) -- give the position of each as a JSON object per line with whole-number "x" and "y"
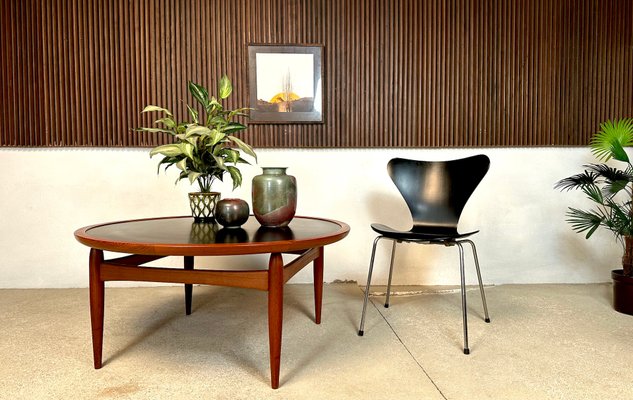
{"x": 231, "y": 213}
{"x": 274, "y": 197}
{"x": 202, "y": 205}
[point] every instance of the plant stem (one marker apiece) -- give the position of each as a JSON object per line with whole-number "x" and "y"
{"x": 205, "y": 182}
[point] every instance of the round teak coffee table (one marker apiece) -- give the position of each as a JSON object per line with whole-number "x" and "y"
{"x": 151, "y": 239}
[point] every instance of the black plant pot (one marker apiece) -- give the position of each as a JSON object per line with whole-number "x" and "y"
{"x": 622, "y": 292}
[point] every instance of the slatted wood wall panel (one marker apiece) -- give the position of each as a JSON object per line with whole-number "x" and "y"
{"x": 434, "y": 73}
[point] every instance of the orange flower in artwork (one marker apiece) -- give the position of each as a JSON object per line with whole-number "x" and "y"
{"x": 283, "y": 96}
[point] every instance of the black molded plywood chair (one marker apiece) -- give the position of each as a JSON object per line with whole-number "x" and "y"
{"x": 436, "y": 193}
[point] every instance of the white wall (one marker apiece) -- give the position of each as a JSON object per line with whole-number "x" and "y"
{"x": 47, "y": 194}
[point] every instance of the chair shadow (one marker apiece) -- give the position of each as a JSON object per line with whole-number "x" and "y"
{"x": 452, "y": 330}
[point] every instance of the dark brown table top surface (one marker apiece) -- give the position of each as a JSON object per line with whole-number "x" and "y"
{"x": 182, "y": 236}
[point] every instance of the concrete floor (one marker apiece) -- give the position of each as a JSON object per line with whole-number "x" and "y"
{"x": 544, "y": 342}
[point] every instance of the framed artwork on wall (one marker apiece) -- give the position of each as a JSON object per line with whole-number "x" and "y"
{"x": 285, "y": 84}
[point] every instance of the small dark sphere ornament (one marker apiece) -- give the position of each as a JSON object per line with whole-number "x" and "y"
{"x": 231, "y": 213}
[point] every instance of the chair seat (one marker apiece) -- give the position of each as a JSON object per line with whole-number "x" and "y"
{"x": 420, "y": 233}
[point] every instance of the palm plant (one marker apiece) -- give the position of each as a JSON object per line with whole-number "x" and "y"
{"x": 205, "y": 148}
{"x": 609, "y": 188}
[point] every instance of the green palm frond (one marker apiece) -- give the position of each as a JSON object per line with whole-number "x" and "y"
{"x": 611, "y": 174}
{"x": 615, "y": 179}
{"x": 610, "y": 141}
{"x": 582, "y": 221}
{"x": 577, "y": 181}
{"x": 594, "y": 193}
{"x": 619, "y": 220}
{"x": 613, "y": 188}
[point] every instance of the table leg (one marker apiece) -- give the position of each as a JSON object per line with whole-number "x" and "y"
{"x": 188, "y": 286}
{"x": 275, "y": 314}
{"x": 96, "y": 305}
{"x": 318, "y": 286}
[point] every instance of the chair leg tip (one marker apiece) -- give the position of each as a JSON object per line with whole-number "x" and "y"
{"x": 487, "y": 320}
{"x": 386, "y": 305}
{"x": 466, "y": 351}
{"x": 360, "y": 333}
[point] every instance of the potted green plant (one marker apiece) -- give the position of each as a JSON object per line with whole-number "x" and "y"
{"x": 205, "y": 147}
{"x": 611, "y": 192}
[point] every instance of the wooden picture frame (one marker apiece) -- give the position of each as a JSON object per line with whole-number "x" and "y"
{"x": 285, "y": 84}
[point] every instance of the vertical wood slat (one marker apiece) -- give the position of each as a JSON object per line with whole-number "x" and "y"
{"x": 398, "y": 73}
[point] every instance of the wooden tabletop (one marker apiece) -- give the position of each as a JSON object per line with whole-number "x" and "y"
{"x": 182, "y": 236}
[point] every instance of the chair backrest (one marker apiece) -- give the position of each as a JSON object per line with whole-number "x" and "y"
{"x": 437, "y": 191}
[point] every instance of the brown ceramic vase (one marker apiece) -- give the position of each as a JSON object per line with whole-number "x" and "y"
{"x": 274, "y": 197}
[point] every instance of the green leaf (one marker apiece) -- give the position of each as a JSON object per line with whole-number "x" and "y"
{"x": 151, "y": 108}
{"x": 233, "y": 127}
{"x": 214, "y": 106}
{"x": 166, "y": 160}
{"x": 217, "y": 121}
{"x": 617, "y": 212}
{"x": 156, "y": 130}
{"x": 591, "y": 231}
{"x": 240, "y": 112}
{"x": 167, "y": 121}
{"x": 617, "y": 152}
{"x": 193, "y": 176}
{"x": 610, "y": 140}
{"x": 614, "y": 180}
{"x": 182, "y": 164}
{"x": 577, "y": 181}
{"x": 169, "y": 150}
{"x": 182, "y": 175}
{"x": 182, "y": 127}
{"x": 229, "y": 155}
{"x": 616, "y": 186}
{"x": 193, "y": 113}
{"x": 225, "y": 88}
{"x": 244, "y": 147}
{"x": 236, "y": 176}
{"x": 584, "y": 221}
{"x": 187, "y": 149}
{"x": 216, "y": 137}
{"x": 199, "y": 93}
{"x": 220, "y": 162}
{"x": 594, "y": 193}
{"x": 197, "y": 130}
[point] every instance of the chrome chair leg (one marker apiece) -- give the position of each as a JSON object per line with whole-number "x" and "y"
{"x": 371, "y": 267}
{"x": 393, "y": 254}
{"x": 464, "y": 307}
{"x": 481, "y": 285}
